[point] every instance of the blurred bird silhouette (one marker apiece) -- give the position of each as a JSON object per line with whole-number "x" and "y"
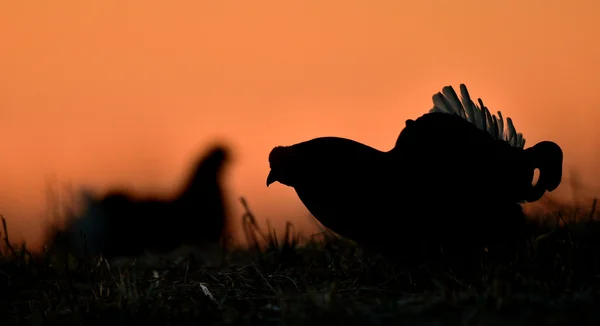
{"x": 452, "y": 182}
{"x": 118, "y": 224}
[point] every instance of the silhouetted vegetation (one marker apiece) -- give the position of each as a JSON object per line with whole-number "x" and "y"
{"x": 323, "y": 280}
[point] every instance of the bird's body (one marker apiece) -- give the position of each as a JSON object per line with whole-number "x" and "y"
{"x": 348, "y": 194}
{"x": 446, "y": 150}
{"x": 119, "y": 224}
{"x": 453, "y": 179}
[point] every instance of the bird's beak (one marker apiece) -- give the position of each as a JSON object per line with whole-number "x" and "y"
{"x": 271, "y": 178}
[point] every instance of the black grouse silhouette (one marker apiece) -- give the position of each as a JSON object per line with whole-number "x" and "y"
{"x": 118, "y": 224}
{"x": 453, "y": 181}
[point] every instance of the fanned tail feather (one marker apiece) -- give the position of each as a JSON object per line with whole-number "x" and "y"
{"x": 470, "y": 108}
{"x": 454, "y": 101}
{"x": 500, "y": 125}
{"x": 448, "y": 101}
{"x": 489, "y": 122}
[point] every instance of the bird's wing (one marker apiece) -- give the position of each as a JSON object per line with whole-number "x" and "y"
{"x": 447, "y": 101}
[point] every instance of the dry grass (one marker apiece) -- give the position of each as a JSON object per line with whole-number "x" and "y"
{"x": 324, "y": 281}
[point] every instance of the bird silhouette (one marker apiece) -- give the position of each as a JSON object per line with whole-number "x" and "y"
{"x": 453, "y": 180}
{"x": 120, "y": 224}
{"x": 490, "y": 164}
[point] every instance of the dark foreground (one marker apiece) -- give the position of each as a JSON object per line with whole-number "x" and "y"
{"x": 327, "y": 281}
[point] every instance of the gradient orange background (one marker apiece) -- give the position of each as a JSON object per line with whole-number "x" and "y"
{"x": 108, "y": 93}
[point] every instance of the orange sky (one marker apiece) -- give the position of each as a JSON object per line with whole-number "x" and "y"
{"x": 115, "y": 92}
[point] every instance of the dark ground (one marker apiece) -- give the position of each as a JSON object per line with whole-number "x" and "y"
{"x": 326, "y": 281}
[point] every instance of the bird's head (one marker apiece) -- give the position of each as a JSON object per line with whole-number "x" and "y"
{"x": 213, "y": 160}
{"x": 285, "y": 163}
{"x": 319, "y": 160}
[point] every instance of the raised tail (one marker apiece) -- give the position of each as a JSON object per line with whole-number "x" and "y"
{"x": 201, "y": 203}
{"x": 447, "y": 101}
{"x": 206, "y": 172}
